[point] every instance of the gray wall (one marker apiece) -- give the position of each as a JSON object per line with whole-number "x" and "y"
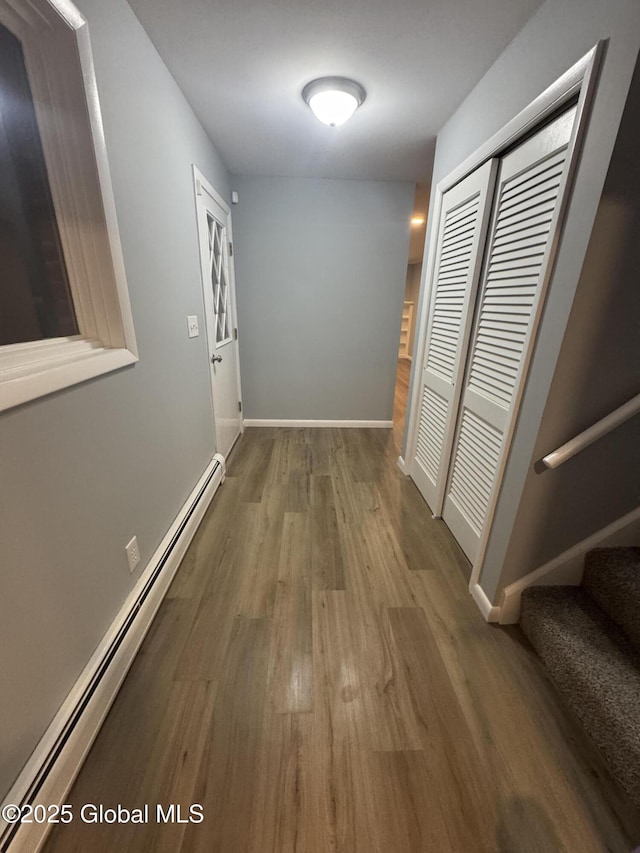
{"x": 320, "y": 270}
{"x": 83, "y": 470}
{"x": 558, "y": 34}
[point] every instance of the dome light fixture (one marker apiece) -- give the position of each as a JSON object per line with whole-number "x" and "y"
{"x": 333, "y": 100}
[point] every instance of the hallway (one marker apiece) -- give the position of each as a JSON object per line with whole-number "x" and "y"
{"x": 318, "y": 678}
{"x": 400, "y": 398}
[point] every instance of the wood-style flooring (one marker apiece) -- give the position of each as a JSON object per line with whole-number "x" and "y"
{"x": 319, "y": 679}
{"x": 401, "y": 395}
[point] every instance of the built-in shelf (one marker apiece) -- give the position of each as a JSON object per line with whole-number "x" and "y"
{"x": 405, "y": 330}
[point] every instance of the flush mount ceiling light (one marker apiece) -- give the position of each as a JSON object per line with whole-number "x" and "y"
{"x": 417, "y": 220}
{"x": 333, "y": 100}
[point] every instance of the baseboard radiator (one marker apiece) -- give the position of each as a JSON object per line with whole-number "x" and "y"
{"x": 49, "y": 774}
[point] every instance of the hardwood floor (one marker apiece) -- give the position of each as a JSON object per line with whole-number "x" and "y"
{"x": 401, "y": 394}
{"x": 319, "y": 679}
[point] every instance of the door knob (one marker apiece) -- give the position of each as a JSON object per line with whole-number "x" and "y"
{"x": 215, "y": 358}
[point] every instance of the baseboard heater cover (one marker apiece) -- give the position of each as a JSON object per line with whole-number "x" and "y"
{"x": 15, "y": 838}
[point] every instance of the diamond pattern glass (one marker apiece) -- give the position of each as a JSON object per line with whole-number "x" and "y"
{"x": 219, "y": 263}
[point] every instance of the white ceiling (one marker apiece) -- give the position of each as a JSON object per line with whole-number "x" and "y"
{"x": 242, "y": 65}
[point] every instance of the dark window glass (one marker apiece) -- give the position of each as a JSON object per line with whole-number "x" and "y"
{"x": 35, "y": 300}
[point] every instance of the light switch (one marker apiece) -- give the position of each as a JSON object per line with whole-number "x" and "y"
{"x": 192, "y": 323}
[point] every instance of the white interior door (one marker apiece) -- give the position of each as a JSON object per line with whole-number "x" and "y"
{"x": 462, "y": 231}
{"x": 530, "y": 184}
{"x": 216, "y": 259}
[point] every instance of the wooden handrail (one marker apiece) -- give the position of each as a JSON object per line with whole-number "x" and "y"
{"x": 593, "y": 433}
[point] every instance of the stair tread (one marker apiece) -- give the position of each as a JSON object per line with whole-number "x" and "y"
{"x": 612, "y": 579}
{"x": 595, "y": 667}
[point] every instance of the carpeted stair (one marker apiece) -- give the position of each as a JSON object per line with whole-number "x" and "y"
{"x": 589, "y": 640}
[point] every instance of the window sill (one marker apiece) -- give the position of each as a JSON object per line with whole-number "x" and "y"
{"x": 29, "y": 371}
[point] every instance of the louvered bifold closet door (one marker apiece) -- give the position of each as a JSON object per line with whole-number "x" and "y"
{"x": 462, "y": 229}
{"x": 530, "y": 183}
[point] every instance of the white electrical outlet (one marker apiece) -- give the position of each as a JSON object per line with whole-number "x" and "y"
{"x": 192, "y": 324}
{"x": 133, "y": 553}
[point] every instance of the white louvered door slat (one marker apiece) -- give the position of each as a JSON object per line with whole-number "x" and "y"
{"x": 528, "y": 192}
{"x": 462, "y": 231}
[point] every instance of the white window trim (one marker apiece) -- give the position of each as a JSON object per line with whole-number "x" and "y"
{"x": 55, "y": 40}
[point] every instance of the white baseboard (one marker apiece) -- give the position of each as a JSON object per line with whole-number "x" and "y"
{"x": 491, "y": 612}
{"x": 567, "y": 568}
{"x": 48, "y": 775}
{"x": 249, "y": 422}
{"x": 402, "y": 465}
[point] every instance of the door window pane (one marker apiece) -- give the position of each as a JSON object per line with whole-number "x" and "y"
{"x": 219, "y": 262}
